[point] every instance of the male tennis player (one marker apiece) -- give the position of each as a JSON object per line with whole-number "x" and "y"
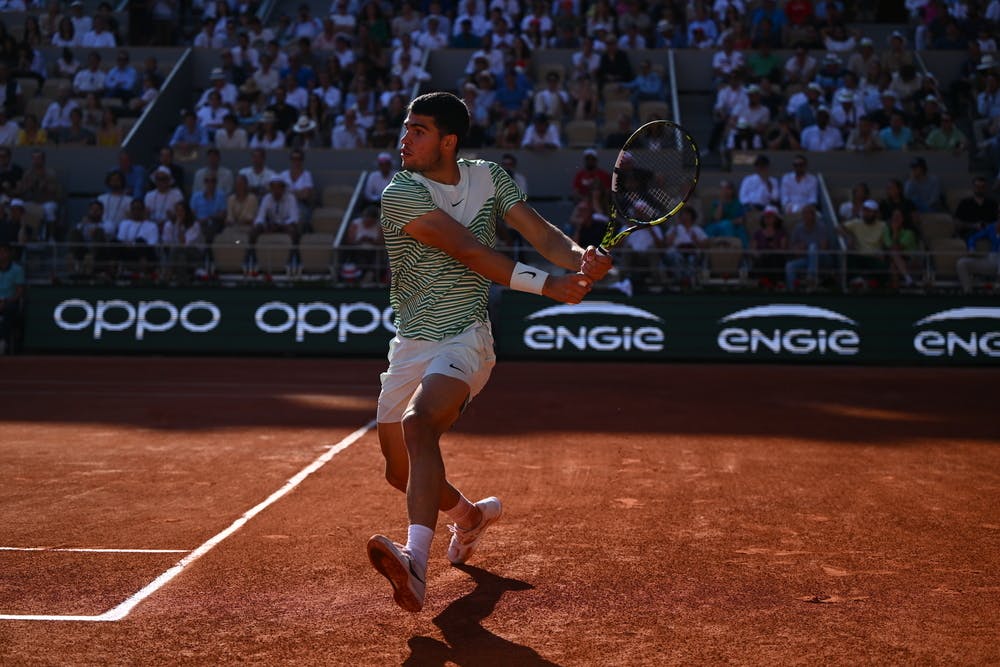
{"x": 439, "y": 217}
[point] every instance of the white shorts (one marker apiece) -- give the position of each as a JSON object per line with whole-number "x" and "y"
{"x": 468, "y": 357}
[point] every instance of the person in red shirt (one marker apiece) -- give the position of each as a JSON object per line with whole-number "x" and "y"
{"x": 799, "y": 12}
{"x": 584, "y": 179}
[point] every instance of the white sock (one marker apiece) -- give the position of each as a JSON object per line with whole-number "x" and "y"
{"x": 462, "y": 513}
{"x": 418, "y": 543}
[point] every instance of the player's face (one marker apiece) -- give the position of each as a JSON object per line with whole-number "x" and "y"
{"x": 420, "y": 147}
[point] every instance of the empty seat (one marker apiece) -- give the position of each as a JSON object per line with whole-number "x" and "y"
{"x": 945, "y": 254}
{"x": 327, "y": 220}
{"x": 935, "y": 226}
{"x": 581, "y": 133}
{"x": 653, "y": 110}
{"x": 273, "y": 251}
{"x": 337, "y": 195}
{"x": 229, "y": 250}
{"x": 723, "y": 258}
{"x": 316, "y": 253}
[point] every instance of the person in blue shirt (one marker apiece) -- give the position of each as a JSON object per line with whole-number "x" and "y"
{"x": 189, "y": 135}
{"x": 11, "y": 295}
{"x": 647, "y": 85}
{"x": 136, "y": 179}
{"x": 209, "y": 206}
{"x": 122, "y": 80}
{"x": 988, "y": 266}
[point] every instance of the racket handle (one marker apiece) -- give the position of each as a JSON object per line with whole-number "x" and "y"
{"x": 601, "y": 250}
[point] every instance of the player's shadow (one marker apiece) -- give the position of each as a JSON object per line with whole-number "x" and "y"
{"x": 467, "y": 642}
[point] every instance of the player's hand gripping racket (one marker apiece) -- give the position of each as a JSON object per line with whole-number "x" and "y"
{"x": 655, "y": 174}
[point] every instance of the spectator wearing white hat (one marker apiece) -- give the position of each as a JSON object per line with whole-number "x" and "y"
{"x": 897, "y": 54}
{"x": 160, "y": 201}
{"x": 227, "y": 91}
{"x": 861, "y": 60}
{"x": 376, "y": 180}
{"x": 864, "y": 237}
{"x": 845, "y": 113}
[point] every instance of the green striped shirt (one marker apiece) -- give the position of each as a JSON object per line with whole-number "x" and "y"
{"x": 434, "y": 295}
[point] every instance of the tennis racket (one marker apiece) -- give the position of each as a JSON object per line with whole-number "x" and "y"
{"x": 655, "y": 174}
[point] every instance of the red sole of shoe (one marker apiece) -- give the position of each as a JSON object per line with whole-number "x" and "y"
{"x": 386, "y": 563}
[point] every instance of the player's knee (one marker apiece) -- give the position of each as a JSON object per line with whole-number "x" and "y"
{"x": 418, "y": 429}
{"x": 396, "y": 479}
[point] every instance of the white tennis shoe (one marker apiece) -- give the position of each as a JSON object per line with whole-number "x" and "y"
{"x": 395, "y": 563}
{"x": 463, "y": 542}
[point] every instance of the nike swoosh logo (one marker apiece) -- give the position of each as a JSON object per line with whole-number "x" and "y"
{"x": 531, "y": 274}
{"x": 456, "y": 368}
{"x": 457, "y": 203}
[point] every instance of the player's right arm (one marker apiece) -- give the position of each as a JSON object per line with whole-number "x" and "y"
{"x": 439, "y": 230}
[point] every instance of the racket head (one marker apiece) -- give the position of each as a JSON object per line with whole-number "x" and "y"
{"x": 655, "y": 174}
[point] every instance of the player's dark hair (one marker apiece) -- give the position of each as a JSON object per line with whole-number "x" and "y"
{"x": 448, "y": 111}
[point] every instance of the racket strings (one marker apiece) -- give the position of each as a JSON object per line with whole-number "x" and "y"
{"x": 655, "y": 173}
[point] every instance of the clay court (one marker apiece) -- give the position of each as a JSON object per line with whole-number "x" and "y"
{"x": 215, "y": 511}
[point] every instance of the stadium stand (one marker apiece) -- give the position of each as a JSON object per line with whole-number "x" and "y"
{"x": 309, "y": 68}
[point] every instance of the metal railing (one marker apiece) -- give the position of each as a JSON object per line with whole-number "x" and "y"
{"x": 715, "y": 267}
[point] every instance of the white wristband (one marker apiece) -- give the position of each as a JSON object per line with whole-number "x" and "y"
{"x": 527, "y": 278}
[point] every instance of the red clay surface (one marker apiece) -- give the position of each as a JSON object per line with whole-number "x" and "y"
{"x": 671, "y": 515}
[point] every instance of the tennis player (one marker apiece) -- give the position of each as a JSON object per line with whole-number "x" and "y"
{"x": 439, "y": 216}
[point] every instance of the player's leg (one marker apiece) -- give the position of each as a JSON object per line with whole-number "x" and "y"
{"x": 397, "y": 471}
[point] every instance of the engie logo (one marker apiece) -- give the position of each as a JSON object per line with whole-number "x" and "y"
{"x": 955, "y": 332}
{"x": 604, "y": 336}
{"x": 813, "y": 331}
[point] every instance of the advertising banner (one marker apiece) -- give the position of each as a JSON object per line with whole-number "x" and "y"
{"x": 838, "y": 329}
{"x": 732, "y": 327}
{"x": 199, "y": 320}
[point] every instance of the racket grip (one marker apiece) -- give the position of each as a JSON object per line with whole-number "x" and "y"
{"x": 601, "y": 250}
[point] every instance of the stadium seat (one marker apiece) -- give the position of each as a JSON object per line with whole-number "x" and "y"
{"x": 653, "y": 110}
{"x": 613, "y": 90}
{"x": 581, "y": 133}
{"x": 944, "y": 256}
{"x": 935, "y": 226}
{"x": 273, "y": 252}
{"x": 316, "y": 253}
{"x": 327, "y": 219}
{"x": 29, "y": 86}
{"x": 615, "y": 108}
{"x": 229, "y": 251}
{"x": 722, "y": 261}
{"x": 337, "y": 195}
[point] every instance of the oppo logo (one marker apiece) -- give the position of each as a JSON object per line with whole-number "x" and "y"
{"x": 318, "y": 317}
{"x": 117, "y": 315}
{"x": 944, "y": 341}
{"x": 599, "y": 338}
{"x": 274, "y": 318}
{"x": 819, "y": 333}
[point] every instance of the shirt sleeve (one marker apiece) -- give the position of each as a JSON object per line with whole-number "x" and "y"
{"x": 403, "y": 200}
{"x": 507, "y": 190}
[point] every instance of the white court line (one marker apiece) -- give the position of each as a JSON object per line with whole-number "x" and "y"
{"x": 123, "y": 609}
{"x": 87, "y": 550}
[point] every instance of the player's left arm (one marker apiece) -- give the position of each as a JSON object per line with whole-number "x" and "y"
{"x": 554, "y": 245}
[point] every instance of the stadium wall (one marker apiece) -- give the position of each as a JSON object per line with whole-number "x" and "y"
{"x": 720, "y": 327}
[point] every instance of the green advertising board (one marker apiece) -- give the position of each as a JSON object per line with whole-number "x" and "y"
{"x": 208, "y": 320}
{"x": 733, "y": 327}
{"x": 839, "y": 329}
